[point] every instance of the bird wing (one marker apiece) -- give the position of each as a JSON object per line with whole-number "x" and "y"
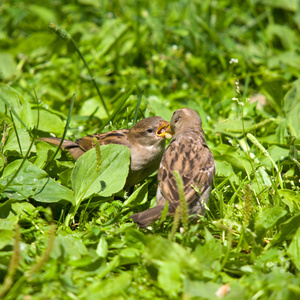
{"x": 70, "y": 146}
{"x": 190, "y": 156}
{"x": 113, "y": 137}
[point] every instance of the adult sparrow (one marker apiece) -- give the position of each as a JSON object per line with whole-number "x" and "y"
{"x": 146, "y": 141}
{"x": 188, "y": 154}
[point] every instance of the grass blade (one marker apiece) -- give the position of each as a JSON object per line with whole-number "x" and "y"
{"x": 65, "y": 131}
{"x": 66, "y": 36}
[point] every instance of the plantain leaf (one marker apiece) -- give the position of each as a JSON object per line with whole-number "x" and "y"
{"x": 111, "y": 178}
{"x": 32, "y": 182}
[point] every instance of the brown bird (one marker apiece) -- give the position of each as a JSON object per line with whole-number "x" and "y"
{"x": 146, "y": 141}
{"x": 188, "y": 154}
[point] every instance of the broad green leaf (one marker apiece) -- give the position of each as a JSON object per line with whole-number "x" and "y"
{"x": 282, "y": 131}
{"x": 159, "y": 110}
{"x": 203, "y": 290}
{"x": 135, "y": 239}
{"x": 6, "y": 224}
{"x": 43, "y": 13}
{"x": 48, "y": 122}
{"x": 160, "y": 250}
{"x": 291, "y": 5}
{"x": 229, "y": 154}
{"x": 2, "y": 162}
{"x": 286, "y": 35}
{"x": 66, "y": 175}
{"x": 115, "y": 242}
{"x": 35, "y": 183}
{"x": 232, "y": 125}
{"x": 268, "y": 218}
{"x": 102, "y": 247}
{"x": 287, "y": 230}
{"x": 273, "y": 87}
{"x": 6, "y": 237}
{"x": 11, "y": 147}
{"x": 45, "y": 152}
{"x": 35, "y": 42}
{"x": 129, "y": 256}
{"x": 292, "y": 107}
{"x": 111, "y": 177}
{"x": 295, "y": 151}
{"x": 90, "y": 106}
{"x": 88, "y": 263}
{"x": 8, "y": 66}
{"x": 90, "y": 2}
{"x": 111, "y": 32}
{"x": 22, "y": 209}
{"x": 263, "y": 178}
{"x": 233, "y": 290}
{"x": 54, "y": 192}
{"x": 169, "y": 278}
{"x": 10, "y": 97}
{"x": 69, "y": 246}
{"x": 277, "y": 153}
{"x": 139, "y": 196}
{"x": 7, "y": 214}
{"x": 287, "y": 58}
{"x": 291, "y": 199}
{"x": 111, "y": 288}
{"x": 20, "y": 108}
{"x": 294, "y": 249}
{"x": 224, "y": 169}
{"x": 209, "y": 252}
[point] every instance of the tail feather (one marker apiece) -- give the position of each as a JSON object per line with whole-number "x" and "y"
{"x": 72, "y": 147}
{"x": 145, "y": 218}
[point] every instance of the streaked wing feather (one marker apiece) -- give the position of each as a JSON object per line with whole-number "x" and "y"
{"x": 114, "y": 137}
{"x": 189, "y": 155}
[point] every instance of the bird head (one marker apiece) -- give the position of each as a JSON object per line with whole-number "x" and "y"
{"x": 150, "y": 131}
{"x": 185, "y": 119}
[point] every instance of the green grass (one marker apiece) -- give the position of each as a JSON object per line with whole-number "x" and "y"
{"x": 64, "y": 236}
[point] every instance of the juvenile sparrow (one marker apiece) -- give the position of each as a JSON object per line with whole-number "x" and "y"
{"x": 188, "y": 154}
{"x": 146, "y": 141}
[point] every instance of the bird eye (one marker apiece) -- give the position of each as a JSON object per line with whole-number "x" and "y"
{"x": 150, "y": 130}
{"x": 177, "y": 119}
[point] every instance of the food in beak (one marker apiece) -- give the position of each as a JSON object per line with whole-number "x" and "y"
{"x": 164, "y": 130}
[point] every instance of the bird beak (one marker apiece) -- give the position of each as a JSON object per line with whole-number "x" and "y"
{"x": 164, "y": 130}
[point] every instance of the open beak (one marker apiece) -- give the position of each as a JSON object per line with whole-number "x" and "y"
{"x": 164, "y": 130}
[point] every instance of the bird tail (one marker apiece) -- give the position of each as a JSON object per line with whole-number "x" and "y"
{"x": 145, "y": 218}
{"x": 72, "y": 147}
